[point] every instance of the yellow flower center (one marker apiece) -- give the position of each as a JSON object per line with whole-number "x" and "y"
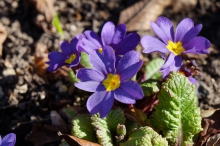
{"x": 175, "y": 48}
{"x": 181, "y": 73}
{"x": 70, "y": 59}
{"x": 112, "y": 82}
{"x": 100, "y": 50}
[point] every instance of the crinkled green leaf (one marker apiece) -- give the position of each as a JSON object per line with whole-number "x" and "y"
{"x": 85, "y": 60}
{"x": 102, "y": 131}
{"x": 145, "y": 136}
{"x": 56, "y": 22}
{"x": 157, "y": 76}
{"x": 177, "y": 114}
{"x": 131, "y": 126}
{"x": 150, "y": 87}
{"x": 82, "y": 128}
{"x": 152, "y": 68}
{"x": 105, "y": 128}
{"x": 73, "y": 77}
{"x": 114, "y": 118}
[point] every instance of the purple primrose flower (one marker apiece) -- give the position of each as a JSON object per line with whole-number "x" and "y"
{"x": 69, "y": 56}
{"x": 189, "y": 69}
{"x": 110, "y": 82}
{"x": 110, "y": 35}
{"x": 184, "y": 40}
{"x": 8, "y": 140}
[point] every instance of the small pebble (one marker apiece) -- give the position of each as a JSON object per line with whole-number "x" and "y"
{"x": 63, "y": 89}
{"x": 8, "y": 64}
{"x": 73, "y": 27}
{"x": 33, "y": 118}
{"x": 5, "y": 21}
{"x": 14, "y": 4}
{"x": 22, "y": 89}
{"x": 78, "y": 99}
{"x": 42, "y": 95}
{"x": 58, "y": 84}
{"x": 9, "y": 72}
{"x": 19, "y": 71}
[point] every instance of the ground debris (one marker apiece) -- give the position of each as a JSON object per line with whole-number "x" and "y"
{"x": 211, "y": 126}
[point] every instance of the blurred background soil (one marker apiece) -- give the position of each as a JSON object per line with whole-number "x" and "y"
{"x": 28, "y": 94}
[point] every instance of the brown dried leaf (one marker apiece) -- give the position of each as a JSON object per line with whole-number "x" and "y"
{"x": 214, "y": 140}
{"x": 138, "y": 16}
{"x": 63, "y": 71}
{"x": 179, "y": 5}
{"x": 128, "y": 13}
{"x": 79, "y": 16}
{"x": 40, "y": 57}
{"x": 44, "y": 7}
{"x": 74, "y": 141}
{"x": 45, "y": 13}
{"x": 3, "y": 36}
{"x": 211, "y": 126}
{"x": 41, "y": 135}
{"x": 207, "y": 113}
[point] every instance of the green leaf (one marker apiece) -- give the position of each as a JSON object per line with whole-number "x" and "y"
{"x": 85, "y": 60}
{"x": 131, "y": 126}
{"x": 69, "y": 111}
{"x": 106, "y": 127}
{"x": 177, "y": 114}
{"x": 150, "y": 87}
{"x": 145, "y": 136}
{"x": 57, "y": 24}
{"x": 73, "y": 77}
{"x": 102, "y": 131}
{"x": 157, "y": 76}
{"x": 114, "y": 118}
{"x": 136, "y": 115}
{"x": 152, "y": 69}
{"x": 82, "y": 128}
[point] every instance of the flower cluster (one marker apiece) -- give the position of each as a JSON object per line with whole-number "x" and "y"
{"x": 184, "y": 40}
{"x": 109, "y": 78}
{"x": 8, "y": 140}
{"x": 114, "y": 62}
{"x": 110, "y": 82}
